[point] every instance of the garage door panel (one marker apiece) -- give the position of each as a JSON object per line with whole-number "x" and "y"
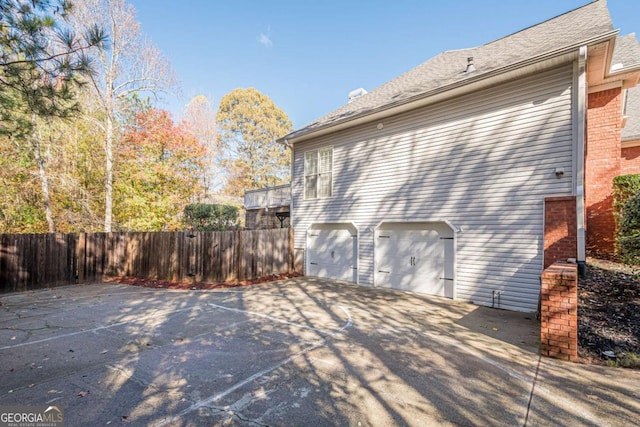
{"x": 331, "y": 252}
{"x": 414, "y": 259}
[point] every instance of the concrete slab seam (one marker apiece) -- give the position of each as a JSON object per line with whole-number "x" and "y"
{"x": 242, "y": 383}
{"x": 216, "y": 397}
{"x": 533, "y": 387}
{"x": 99, "y": 328}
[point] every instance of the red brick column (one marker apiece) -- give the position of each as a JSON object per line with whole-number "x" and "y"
{"x": 560, "y": 229}
{"x": 602, "y": 164}
{"x": 630, "y": 161}
{"x": 559, "y": 312}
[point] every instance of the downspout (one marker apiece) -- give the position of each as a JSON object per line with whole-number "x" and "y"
{"x": 580, "y": 160}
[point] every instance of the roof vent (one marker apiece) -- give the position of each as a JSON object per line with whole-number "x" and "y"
{"x": 357, "y": 93}
{"x": 470, "y": 67}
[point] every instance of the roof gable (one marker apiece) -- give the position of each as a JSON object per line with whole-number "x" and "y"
{"x": 572, "y": 28}
{"x": 626, "y": 54}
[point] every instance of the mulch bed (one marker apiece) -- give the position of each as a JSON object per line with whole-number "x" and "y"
{"x": 608, "y": 312}
{"x": 193, "y": 285}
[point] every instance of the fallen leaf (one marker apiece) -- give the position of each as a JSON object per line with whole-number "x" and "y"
{"x": 83, "y": 393}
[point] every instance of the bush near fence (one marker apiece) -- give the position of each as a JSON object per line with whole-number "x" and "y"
{"x": 32, "y": 261}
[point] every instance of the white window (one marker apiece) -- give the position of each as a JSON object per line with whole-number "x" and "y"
{"x": 318, "y": 175}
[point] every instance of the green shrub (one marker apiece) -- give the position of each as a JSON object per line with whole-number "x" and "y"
{"x": 626, "y": 210}
{"x": 628, "y": 237}
{"x": 210, "y": 217}
{"x": 624, "y": 186}
{"x": 630, "y": 360}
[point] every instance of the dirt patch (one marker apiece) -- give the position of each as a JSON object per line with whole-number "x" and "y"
{"x": 609, "y": 313}
{"x": 193, "y": 285}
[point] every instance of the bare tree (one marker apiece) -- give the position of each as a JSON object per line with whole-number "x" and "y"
{"x": 200, "y": 118}
{"x": 128, "y": 65}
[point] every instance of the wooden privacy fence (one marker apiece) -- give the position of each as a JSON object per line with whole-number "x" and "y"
{"x": 31, "y": 261}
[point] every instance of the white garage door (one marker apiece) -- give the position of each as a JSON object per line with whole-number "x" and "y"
{"x": 415, "y": 257}
{"x": 332, "y": 251}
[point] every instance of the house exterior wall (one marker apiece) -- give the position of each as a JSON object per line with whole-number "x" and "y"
{"x": 602, "y": 164}
{"x": 484, "y": 162}
{"x": 630, "y": 162}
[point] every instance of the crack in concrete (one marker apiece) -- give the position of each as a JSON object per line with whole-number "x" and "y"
{"x": 233, "y": 414}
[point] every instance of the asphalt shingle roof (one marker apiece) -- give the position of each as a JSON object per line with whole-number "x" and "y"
{"x": 569, "y": 29}
{"x": 627, "y": 51}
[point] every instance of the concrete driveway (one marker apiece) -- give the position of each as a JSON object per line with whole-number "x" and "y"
{"x": 295, "y": 352}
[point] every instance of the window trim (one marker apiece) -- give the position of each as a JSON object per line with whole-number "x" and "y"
{"x": 317, "y": 174}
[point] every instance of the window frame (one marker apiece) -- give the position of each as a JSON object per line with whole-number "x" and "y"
{"x": 318, "y": 173}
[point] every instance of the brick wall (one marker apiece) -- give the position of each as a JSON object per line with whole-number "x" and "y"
{"x": 559, "y": 312}
{"x": 602, "y": 164}
{"x": 630, "y": 163}
{"x": 560, "y": 229}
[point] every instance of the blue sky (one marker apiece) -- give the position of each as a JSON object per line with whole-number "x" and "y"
{"x": 308, "y": 55}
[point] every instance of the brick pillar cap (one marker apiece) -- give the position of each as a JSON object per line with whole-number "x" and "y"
{"x": 561, "y": 270}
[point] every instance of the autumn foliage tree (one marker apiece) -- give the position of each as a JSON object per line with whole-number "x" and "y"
{"x": 158, "y": 175}
{"x": 249, "y": 123}
{"x": 128, "y": 65}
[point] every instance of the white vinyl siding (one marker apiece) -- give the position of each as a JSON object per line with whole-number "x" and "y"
{"x": 318, "y": 173}
{"x": 483, "y": 162}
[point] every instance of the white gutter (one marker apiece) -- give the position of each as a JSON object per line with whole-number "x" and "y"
{"x": 581, "y": 120}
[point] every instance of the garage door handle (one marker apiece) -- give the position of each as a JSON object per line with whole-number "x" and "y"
{"x": 313, "y": 263}
{"x": 382, "y": 271}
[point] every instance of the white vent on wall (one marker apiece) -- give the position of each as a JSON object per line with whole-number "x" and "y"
{"x": 357, "y": 93}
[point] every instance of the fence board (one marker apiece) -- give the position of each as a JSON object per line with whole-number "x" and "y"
{"x": 31, "y": 261}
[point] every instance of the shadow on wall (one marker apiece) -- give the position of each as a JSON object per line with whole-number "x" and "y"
{"x": 443, "y": 168}
{"x": 601, "y": 227}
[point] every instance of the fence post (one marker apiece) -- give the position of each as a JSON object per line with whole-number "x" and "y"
{"x": 290, "y": 249}
{"x": 80, "y": 257}
{"x": 239, "y": 256}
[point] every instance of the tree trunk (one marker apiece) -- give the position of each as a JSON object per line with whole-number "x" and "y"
{"x": 108, "y": 201}
{"x": 44, "y": 179}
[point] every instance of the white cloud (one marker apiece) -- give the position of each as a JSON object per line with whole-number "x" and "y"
{"x": 265, "y": 40}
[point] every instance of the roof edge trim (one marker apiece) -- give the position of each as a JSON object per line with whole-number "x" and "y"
{"x": 389, "y": 108}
